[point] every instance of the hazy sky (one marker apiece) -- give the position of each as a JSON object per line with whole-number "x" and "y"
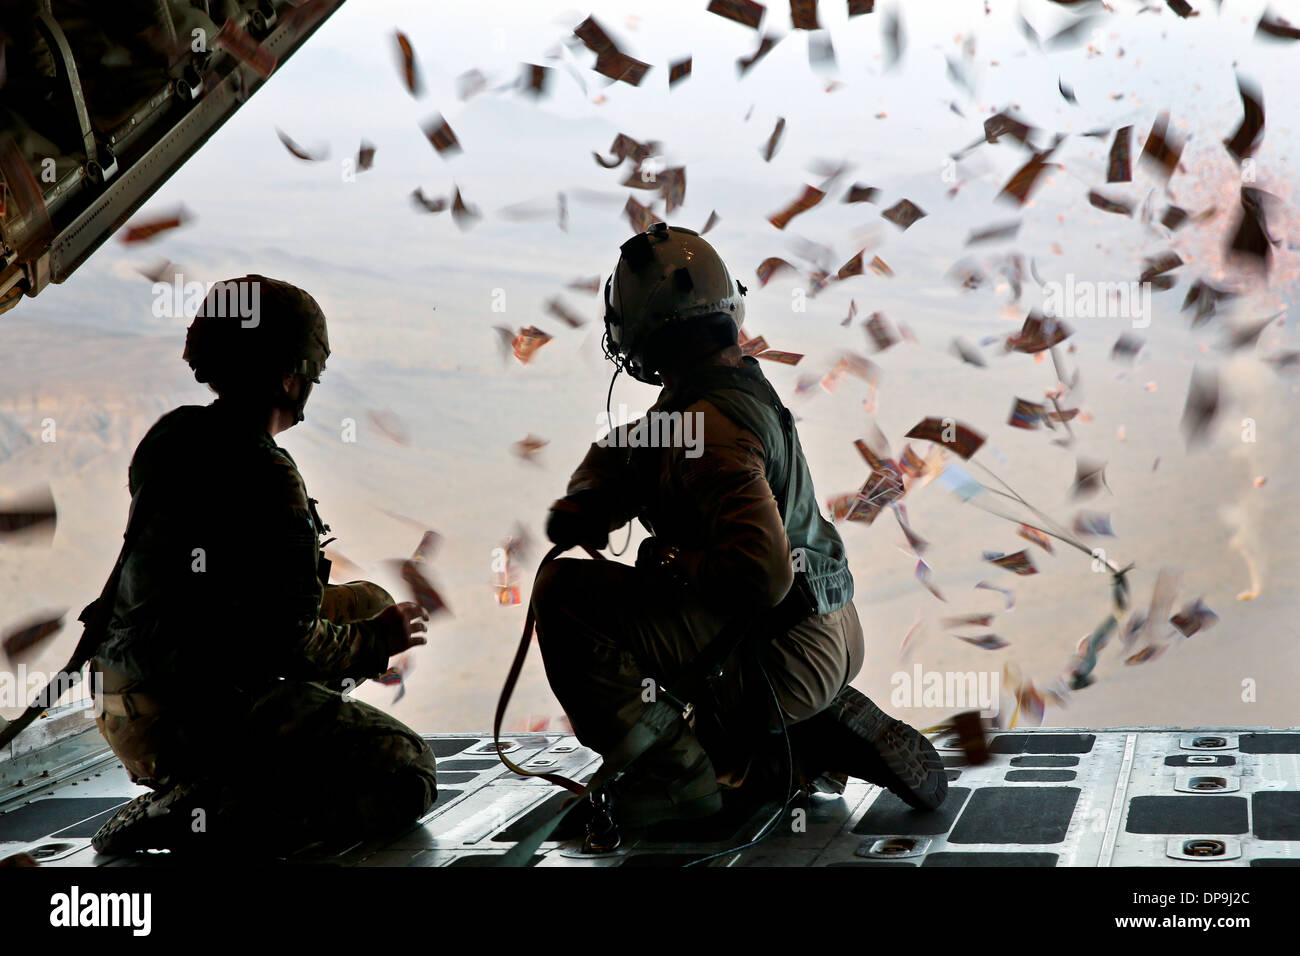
{"x": 410, "y": 304}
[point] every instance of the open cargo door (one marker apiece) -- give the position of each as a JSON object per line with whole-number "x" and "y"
{"x": 101, "y": 102}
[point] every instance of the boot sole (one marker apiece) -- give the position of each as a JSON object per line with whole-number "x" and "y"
{"x": 133, "y": 829}
{"x": 120, "y": 836}
{"x": 903, "y": 760}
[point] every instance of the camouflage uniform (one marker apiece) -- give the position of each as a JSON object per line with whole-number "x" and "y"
{"x": 223, "y": 640}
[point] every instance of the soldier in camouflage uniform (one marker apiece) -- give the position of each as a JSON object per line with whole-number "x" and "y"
{"x": 227, "y": 661}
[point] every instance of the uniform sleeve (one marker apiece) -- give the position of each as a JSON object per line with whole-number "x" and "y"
{"x": 606, "y": 475}
{"x": 304, "y": 644}
{"x": 744, "y": 557}
{"x": 354, "y": 601}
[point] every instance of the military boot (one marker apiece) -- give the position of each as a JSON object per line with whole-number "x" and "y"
{"x": 158, "y": 820}
{"x": 644, "y": 800}
{"x": 635, "y": 801}
{"x": 855, "y": 737}
{"x": 235, "y": 824}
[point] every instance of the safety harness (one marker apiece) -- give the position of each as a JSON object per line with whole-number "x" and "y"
{"x": 677, "y": 695}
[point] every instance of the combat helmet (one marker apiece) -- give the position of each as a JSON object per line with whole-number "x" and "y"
{"x": 252, "y": 329}
{"x": 669, "y": 291}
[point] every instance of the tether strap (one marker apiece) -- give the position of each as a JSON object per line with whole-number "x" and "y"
{"x": 645, "y": 733}
{"x": 658, "y": 719}
{"x": 512, "y": 678}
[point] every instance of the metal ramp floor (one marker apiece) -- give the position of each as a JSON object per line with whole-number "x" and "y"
{"x": 1048, "y": 797}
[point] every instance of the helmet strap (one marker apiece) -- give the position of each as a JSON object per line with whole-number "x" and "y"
{"x": 299, "y": 405}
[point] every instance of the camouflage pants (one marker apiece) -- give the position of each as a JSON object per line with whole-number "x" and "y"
{"x": 300, "y": 758}
{"x": 608, "y": 632}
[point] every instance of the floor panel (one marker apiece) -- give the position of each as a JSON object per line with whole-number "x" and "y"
{"x": 1050, "y": 797}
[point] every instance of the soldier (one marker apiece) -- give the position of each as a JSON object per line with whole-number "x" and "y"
{"x": 226, "y": 650}
{"x": 735, "y": 530}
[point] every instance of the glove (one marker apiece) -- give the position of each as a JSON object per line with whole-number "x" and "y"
{"x": 579, "y": 518}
